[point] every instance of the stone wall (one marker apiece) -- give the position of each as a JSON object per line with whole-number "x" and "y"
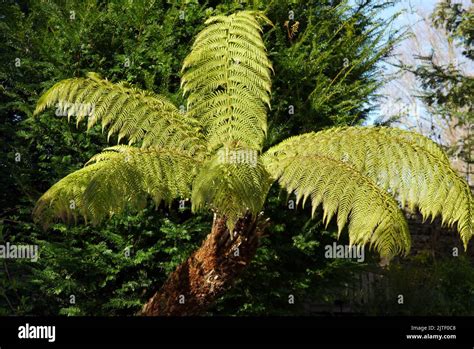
{"x": 432, "y": 237}
{"x": 427, "y": 237}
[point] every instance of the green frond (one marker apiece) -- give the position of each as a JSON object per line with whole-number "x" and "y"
{"x": 409, "y": 166}
{"x": 128, "y": 112}
{"x": 373, "y": 215}
{"x": 227, "y": 80}
{"x": 119, "y": 177}
{"x": 231, "y": 183}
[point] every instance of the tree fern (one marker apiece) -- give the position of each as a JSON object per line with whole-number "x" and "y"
{"x": 355, "y": 173}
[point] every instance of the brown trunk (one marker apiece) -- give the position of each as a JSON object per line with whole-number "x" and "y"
{"x": 209, "y": 271}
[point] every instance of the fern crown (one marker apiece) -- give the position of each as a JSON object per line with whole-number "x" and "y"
{"x": 212, "y": 153}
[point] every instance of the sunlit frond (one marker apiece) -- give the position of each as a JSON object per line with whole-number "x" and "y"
{"x": 131, "y": 113}
{"x": 409, "y": 166}
{"x": 227, "y": 81}
{"x": 231, "y": 187}
{"x": 119, "y": 177}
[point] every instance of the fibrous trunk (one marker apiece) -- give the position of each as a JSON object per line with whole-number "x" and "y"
{"x": 209, "y": 271}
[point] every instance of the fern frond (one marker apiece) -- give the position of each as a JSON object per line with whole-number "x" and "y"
{"x": 227, "y": 80}
{"x": 374, "y": 217}
{"x": 129, "y": 112}
{"x": 231, "y": 188}
{"x": 409, "y": 166}
{"x": 119, "y": 177}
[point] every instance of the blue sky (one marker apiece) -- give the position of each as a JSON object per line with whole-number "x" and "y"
{"x": 412, "y": 12}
